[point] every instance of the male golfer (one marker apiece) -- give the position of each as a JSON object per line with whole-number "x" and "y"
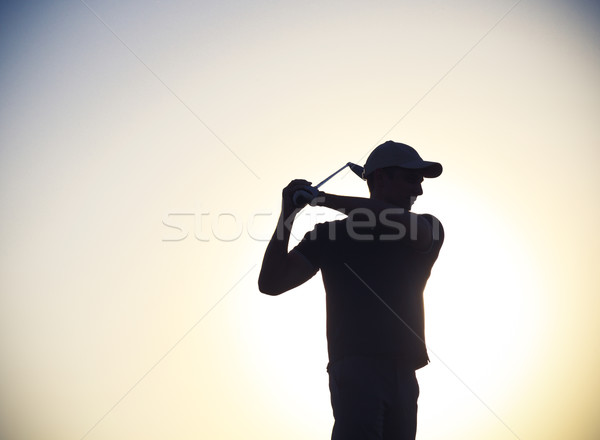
{"x": 375, "y": 264}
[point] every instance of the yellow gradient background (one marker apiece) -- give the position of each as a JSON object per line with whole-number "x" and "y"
{"x": 143, "y": 149}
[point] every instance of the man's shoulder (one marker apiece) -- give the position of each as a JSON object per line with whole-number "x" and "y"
{"x": 324, "y": 230}
{"x": 330, "y": 224}
{"x": 437, "y": 232}
{"x": 330, "y": 229}
{"x": 430, "y": 217}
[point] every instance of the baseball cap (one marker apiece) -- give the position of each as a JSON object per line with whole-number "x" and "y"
{"x": 395, "y": 154}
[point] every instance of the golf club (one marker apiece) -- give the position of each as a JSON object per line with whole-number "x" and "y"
{"x": 306, "y": 195}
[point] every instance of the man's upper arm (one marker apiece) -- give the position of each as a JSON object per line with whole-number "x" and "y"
{"x": 295, "y": 270}
{"x": 301, "y": 269}
{"x": 435, "y": 231}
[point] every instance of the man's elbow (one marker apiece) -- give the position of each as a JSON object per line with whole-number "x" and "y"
{"x": 269, "y": 288}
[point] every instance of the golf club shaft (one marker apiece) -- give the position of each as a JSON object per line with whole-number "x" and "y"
{"x": 305, "y": 196}
{"x": 322, "y": 182}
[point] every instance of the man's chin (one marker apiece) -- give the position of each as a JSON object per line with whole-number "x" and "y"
{"x": 404, "y": 204}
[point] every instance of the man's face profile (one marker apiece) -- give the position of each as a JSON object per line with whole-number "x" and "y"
{"x": 398, "y": 186}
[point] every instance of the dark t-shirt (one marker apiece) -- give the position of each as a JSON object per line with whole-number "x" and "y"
{"x": 374, "y": 285}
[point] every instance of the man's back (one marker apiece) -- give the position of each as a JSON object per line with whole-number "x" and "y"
{"x": 374, "y": 283}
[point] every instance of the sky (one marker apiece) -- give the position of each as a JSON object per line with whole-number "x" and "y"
{"x": 143, "y": 149}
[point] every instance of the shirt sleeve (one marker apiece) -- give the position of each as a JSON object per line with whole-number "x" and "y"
{"x": 311, "y": 246}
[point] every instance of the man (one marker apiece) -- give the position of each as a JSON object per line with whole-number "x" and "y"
{"x": 375, "y": 264}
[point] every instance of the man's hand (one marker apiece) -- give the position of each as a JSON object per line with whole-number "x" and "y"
{"x": 282, "y": 271}
{"x": 296, "y": 196}
{"x": 305, "y": 196}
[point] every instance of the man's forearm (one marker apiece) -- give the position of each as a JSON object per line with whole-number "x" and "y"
{"x": 385, "y": 215}
{"x": 347, "y": 204}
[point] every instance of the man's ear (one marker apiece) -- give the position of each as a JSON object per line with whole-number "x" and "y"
{"x": 378, "y": 176}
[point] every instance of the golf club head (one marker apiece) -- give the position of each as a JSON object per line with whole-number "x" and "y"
{"x": 356, "y": 169}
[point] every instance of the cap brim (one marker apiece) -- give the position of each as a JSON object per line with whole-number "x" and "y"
{"x": 428, "y": 169}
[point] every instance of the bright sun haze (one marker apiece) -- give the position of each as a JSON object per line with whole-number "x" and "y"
{"x": 144, "y": 147}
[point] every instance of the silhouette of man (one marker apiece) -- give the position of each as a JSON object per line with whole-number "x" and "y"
{"x": 375, "y": 264}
